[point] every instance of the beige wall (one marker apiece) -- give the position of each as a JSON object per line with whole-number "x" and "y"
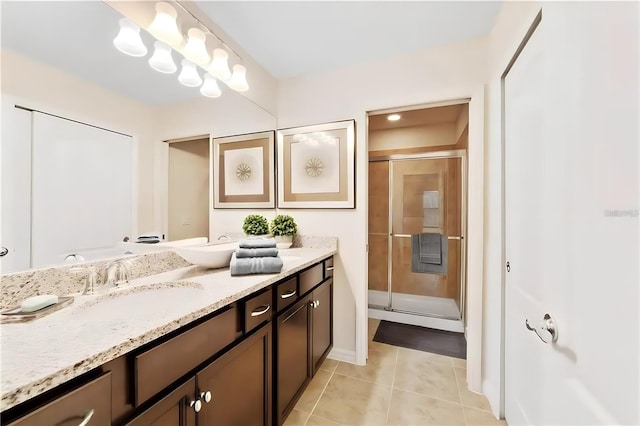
{"x": 348, "y": 93}
{"x": 188, "y": 189}
{"x": 39, "y": 86}
{"x": 413, "y": 137}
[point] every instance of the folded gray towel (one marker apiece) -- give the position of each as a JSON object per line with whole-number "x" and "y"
{"x": 430, "y": 248}
{"x": 255, "y": 265}
{"x": 257, "y": 252}
{"x": 429, "y": 268}
{"x": 257, "y": 243}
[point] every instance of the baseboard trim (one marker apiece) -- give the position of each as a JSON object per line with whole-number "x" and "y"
{"x": 342, "y": 355}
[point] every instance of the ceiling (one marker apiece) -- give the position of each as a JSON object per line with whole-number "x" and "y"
{"x": 294, "y": 38}
{"x": 287, "y": 38}
{"x": 417, "y": 117}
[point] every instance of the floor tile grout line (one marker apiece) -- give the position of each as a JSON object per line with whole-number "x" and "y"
{"x": 464, "y": 414}
{"x": 431, "y": 397}
{"x": 385, "y": 385}
{"x": 322, "y": 393}
{"x": 393, "y": 381}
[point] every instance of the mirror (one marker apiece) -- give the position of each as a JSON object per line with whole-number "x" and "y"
{"x": 58, "y": 58}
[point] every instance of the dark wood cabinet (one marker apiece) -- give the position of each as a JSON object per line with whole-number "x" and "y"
{"x": 293, "y": 354}
{"x": 321, "y": 323}
{"x": 175, "y": 409}
{"x": 304, "y": 337}
{"x": 236, "y": 389}
{"x": 90, "y": 402}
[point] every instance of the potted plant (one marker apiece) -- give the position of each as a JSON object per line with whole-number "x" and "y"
{"x": 283, "y": 228}
{"x": 255, "y": 224}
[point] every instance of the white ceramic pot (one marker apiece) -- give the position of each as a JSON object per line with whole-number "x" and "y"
{"x": 284, "y": 241}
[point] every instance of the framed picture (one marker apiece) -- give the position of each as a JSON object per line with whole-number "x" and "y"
{"x": 244, "y": 171}
{"x": 316, "y": 167}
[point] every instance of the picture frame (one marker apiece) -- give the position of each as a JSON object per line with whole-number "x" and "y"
{"x": 243, "y": 169}
{"x": 316, "y": 166}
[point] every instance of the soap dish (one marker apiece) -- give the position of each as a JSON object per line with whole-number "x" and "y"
{"x": 16, "y": 315}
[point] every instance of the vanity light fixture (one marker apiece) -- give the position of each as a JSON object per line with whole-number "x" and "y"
{"x": 128, "y": 40}
{"x": 210, "y": 87}
{"x": 393, "y": 117}
{"x": 238, "y": 81}
{"x": 189, "y": 75}
{"x": 195, "y": 50}
{"x": 165, "y": 26}
{"x": 219, "y": 66}
{"x": 162, "y": 60}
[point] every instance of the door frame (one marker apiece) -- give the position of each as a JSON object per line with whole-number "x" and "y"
{"x": 163, "y": 155}
{"x": 533, "y": 25}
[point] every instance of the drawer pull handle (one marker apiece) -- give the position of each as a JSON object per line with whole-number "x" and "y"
{"x": 196, "y": 405}
{"x": 329, "y": 268}
{"x": 87, "y": 418}
{"x": 206, "y": 396}
{"x": 260, "y": 310}
{"x": 288, "y": 295}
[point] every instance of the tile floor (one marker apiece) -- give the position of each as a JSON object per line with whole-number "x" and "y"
{"x": 398, "y": 386}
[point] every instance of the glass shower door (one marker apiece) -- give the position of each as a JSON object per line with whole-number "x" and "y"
{"x": 426, "y": 198}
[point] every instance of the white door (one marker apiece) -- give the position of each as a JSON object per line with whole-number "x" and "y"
{"x": 571, "y": 216}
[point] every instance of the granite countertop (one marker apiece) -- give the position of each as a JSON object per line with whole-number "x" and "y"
{"x": 39, "y": 355}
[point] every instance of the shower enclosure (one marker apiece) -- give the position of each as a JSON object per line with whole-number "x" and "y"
{"x": 411, "y": 195}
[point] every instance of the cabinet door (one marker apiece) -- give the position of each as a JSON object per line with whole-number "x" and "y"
{"x": 292, "y": 354}
{"x": 176, "y": 409}
{"x": 236, "y": 388}
{"x": 322, "y": 323}
{"x": 90, "y": 403}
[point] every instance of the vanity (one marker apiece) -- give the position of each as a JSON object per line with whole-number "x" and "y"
{"x": 201, "y": 348}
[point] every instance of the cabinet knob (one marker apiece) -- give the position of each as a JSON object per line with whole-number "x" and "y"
{"x": 196, "y": 405}
{"x": 314, "y": 303}
{"x": 206, "y": 396}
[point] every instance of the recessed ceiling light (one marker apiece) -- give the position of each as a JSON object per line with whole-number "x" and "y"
{"x": 393, "y": 117}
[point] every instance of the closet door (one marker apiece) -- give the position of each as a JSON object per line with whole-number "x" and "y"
{"x": 81, "y": 189}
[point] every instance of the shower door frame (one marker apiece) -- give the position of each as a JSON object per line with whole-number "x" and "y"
{"x": 457, "y": 153}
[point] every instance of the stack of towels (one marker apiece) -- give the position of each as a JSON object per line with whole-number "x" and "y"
{"x": 256, "y": 256}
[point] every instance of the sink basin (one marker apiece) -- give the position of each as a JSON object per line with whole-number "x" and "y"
{"x": 160, "y": 292}
{"x": 208, "y": 256}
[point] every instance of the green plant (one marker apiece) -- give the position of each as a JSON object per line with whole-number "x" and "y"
{"x": 283, "y": 224}
{"x": 255, "y": 224}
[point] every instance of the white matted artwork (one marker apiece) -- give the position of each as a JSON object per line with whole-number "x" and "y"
{"x": 243, "y": 169}
{"x": 316, "y": 167}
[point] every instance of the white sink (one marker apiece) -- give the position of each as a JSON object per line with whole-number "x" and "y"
{"x": 208, "y": 256}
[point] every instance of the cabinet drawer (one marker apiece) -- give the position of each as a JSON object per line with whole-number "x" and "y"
{"x": 328, "y": 268}
{"x": 160, "y": 366}
{"x": 311, "y": 278}
{"x": 257, "y": 310}
{"x": 92, "y": 400}
{"x": 287, "y": 293}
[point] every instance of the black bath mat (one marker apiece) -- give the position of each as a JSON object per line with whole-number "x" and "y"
{"x": 421, "y": 338}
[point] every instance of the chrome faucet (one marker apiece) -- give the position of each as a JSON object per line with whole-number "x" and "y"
{"x": 117, "y": 273}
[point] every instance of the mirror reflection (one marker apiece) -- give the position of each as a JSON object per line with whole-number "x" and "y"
{"x": 101, "y": 147}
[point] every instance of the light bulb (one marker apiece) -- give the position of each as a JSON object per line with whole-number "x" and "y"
{"x": 189, "y": 75}
{"x": 195, "y": 50}
{"x": 128, "y": 39}
{"x": 238, "y": 81}
{"x": 210, "y": 87}
{"x": 393, "y": 117}
{"x": 164, "y": 26}
{"x": 219, "y": 66}
{"x": 161, "y": 60}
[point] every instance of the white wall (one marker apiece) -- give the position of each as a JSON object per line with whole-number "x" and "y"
{"x": 509, "y": 29}
{"x": 413, "y": 137}
{"x": 231, "y": 114}
{"x": 39, "y": 86}
{"x": 449, "y": 72}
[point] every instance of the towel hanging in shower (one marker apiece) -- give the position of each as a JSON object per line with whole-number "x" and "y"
{"x": 429, "y": 268}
